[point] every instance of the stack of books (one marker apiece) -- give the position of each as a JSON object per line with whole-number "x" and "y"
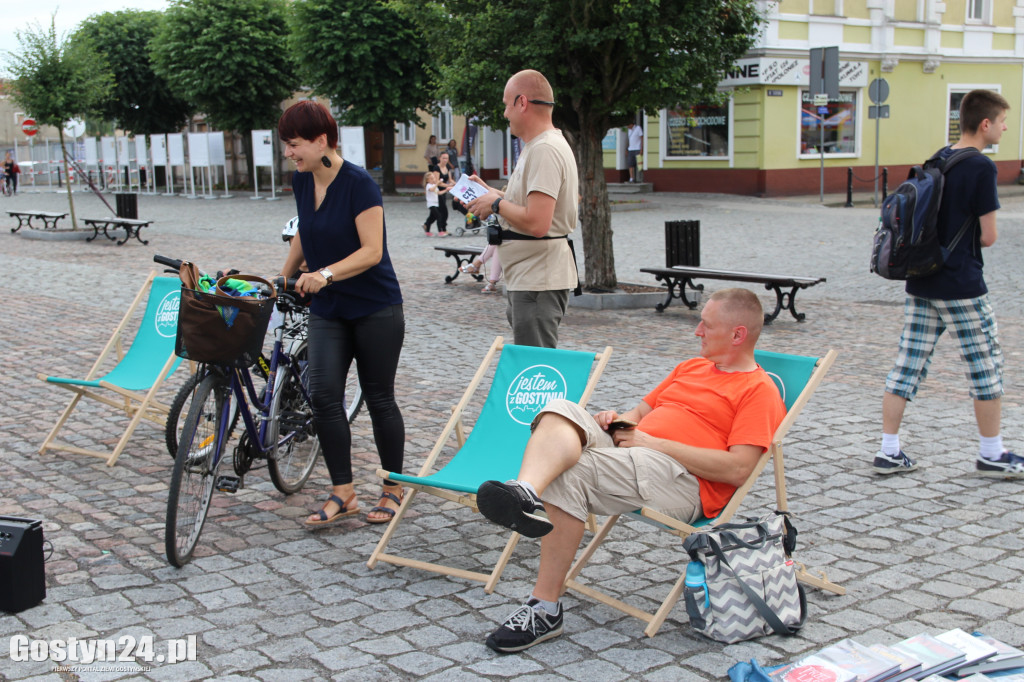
{"x": 921, "y": 657}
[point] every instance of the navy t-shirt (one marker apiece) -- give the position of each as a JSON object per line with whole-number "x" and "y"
{"x": 970, "y": 191}
{"x": 329, "y": 234}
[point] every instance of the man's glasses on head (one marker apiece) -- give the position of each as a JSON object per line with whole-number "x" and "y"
{"x": 532, "y": 101}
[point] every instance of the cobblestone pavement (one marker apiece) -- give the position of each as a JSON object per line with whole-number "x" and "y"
{"x": 268, "y": 600}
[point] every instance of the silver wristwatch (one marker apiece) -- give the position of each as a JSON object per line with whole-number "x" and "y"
{"x": 328, "y": 275}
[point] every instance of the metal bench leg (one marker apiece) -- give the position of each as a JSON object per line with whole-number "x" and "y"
{"x": 459, "y": 260}
{"x": 95, "y": 232}
{"x": 138, "y": 234}
{"x": 783, "y": 299}
{"x": 677, "y": 289}
{"x": 21, "y": 223}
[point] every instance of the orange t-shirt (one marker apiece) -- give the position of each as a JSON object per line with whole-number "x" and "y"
{"x": 700, "y": 405}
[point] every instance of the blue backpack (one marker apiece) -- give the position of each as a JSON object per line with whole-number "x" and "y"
{"x": 907, "y": 244}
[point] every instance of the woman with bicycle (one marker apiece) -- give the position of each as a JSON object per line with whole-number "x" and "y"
{"x": 356, "y": 311}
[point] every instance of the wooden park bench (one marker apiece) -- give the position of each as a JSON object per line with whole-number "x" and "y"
{"x": 461, "y": 254}
{"x": 49, "y": 219}
{"x": 679, "y": 277}
{"x": 131, "y": 226}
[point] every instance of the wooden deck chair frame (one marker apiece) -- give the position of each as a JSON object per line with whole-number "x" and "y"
{"x": 680, "y": 529}
{"x": 135, "y": 404}
{"x": 455, "y": 426}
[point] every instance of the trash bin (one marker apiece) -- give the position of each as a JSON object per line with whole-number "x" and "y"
{"x": 127, "y": 205}
{"x": 682, "y": 243}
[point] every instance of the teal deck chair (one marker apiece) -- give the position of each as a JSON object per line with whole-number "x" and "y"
{"x": 525, "y": 379}
{"x": 139, "y": 372}
{"x": 797, "y": 377}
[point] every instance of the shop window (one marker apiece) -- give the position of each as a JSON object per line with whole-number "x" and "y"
{"x": 700, "y": 131}
{"x": 840, "y": 125}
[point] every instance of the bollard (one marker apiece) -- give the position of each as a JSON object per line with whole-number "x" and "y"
{"x": 885, "y": 183}
{"x": 849, "y": 187}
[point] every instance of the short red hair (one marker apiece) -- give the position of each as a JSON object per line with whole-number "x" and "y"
{"x": 309, "y": 120}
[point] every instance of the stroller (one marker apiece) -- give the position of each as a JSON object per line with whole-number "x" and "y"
{"x": 473, "y": 225}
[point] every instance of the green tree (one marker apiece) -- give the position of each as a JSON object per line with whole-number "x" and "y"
{"x": 142, "y": 102}
{"x": 605, "y": 59}
{"x": 56, "y": 80}
{"x": 229, "y": 57}
{"x": 367, "y": 58}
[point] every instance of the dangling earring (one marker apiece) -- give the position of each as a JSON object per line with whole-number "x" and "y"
{"x": 325, "y": 161}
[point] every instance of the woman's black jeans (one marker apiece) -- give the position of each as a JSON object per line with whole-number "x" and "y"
{"x": 375, "y": 342}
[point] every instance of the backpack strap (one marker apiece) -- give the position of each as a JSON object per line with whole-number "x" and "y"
{"x": 945, "y": 165}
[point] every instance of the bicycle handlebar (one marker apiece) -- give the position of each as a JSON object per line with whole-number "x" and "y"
{"x": 169, "y": 262}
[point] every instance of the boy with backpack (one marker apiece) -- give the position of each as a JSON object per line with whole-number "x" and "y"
{"x": 956, "y": 297}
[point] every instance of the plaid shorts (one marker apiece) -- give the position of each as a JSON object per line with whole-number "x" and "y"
{"x": 973, "y": 325}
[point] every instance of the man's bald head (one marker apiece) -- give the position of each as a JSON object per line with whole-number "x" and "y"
{"x": 532, "y": 85}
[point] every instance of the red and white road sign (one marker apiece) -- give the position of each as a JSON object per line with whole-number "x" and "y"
{"x": 29, "y": 127}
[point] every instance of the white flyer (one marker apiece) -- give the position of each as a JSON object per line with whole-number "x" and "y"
{"x": 465, "y": 190}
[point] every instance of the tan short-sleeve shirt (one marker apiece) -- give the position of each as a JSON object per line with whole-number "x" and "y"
{"x": 546, "y": 165}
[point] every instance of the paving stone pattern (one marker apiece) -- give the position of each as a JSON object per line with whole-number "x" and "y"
{"x": 268, "y": 600}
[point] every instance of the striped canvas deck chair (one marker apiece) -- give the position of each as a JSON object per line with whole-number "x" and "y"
{"x": 131, "y": 386}
{"x": 525, "y": 379}
{"x": 797, "y": 377}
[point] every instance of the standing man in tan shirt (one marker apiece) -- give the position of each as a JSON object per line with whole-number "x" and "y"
{"x": 537, "y": 211}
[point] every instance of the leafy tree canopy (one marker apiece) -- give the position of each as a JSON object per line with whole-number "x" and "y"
{"x": 363, "y": 55}
{"x": 142, "y": 102}
{"x": 55, "y": 79}
{"x": 228, "y": 57}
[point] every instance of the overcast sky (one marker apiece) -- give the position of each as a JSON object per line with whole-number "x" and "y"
{"x": 19, "y": 14}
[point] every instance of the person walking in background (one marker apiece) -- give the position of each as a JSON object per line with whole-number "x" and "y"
{"x": 356, "y": 310}
{"x": 956, "y": 297}
{"x": 430, "y": 154}
{"x": 433, "y": 192}
{"x": 447, "y": 174}
{"x": 11, "y": 172}
{"x": 538, "y": 211}
{"x": 453, "y": 157}
{"x": 634, "y": 149}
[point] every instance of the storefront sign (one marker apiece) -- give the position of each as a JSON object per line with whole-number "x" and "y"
{"x": 781, "y": 71}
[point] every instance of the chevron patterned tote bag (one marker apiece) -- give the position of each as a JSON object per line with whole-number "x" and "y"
{"x": 741, "y": 583}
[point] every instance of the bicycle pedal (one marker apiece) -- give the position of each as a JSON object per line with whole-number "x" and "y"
{"x": 228, "y": 484}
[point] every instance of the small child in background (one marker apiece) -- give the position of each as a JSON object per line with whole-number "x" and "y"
{"x": 490, "y": 254}
{"x": 434, "y": 188}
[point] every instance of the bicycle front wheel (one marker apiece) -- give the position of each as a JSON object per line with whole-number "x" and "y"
{"x": 353, "y": 393}
{"x": 291, "y": 419}
{"x": 195, "y": 469}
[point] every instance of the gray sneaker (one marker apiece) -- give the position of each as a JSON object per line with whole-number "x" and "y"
{"x": 892, "y": 464}
{"x": 1008, "y": 465}
{"x": 514, "y": 507}
{"x": 526, "y": 627}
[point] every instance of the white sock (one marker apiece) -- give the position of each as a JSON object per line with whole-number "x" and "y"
{"x": 991, "y": 448}
{"x": 891, "y": 443}
{"x": 551, "y": 607}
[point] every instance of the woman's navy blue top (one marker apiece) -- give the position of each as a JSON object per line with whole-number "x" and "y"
{"x": 329, "y": 234}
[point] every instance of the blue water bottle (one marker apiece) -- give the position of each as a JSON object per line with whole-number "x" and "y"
{"x": 695, "y": 591}
{"x": 696, "y": 580}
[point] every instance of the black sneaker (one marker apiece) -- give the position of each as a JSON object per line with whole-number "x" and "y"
{"x": 1008, "y": 465}
{"x": 513, "y": 506}
{"x": 526, "y": 627}
{"x": 892, "y": 464}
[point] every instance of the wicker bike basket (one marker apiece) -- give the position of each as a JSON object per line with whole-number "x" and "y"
{"x": 220, "y": 329}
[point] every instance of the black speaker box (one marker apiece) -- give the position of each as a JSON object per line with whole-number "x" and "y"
{"x": 22, "y": 576}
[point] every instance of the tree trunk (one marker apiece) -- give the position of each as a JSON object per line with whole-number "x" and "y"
{"x": 387, "y": 157}
{"x": 596, "y": 217}
{"x": 67, "y": 176}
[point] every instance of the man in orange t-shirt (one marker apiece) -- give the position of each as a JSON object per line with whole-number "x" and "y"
{"x": 698, "y": 435}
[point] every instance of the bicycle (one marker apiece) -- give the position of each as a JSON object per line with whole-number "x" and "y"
{"x": 353, "y": 391}
{"x": 278, "y": 425}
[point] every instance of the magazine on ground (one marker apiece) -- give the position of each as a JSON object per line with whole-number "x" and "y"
{"x": 934, "y": 654}
{"x": 858, "y": 659}
{"x": 812, "y": 668}
{"x": 1007, "y": 658}
{"x": 908, "y": 665}
{"x": 974, "y": 649}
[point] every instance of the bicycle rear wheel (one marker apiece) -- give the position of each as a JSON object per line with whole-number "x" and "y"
{"x": 195, "y": 469}
{"x": 353, "y": 393}
{"x": 291, "y": 464}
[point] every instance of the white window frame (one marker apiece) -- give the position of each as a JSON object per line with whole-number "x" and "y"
{"x": 443, "y": 124}
{"x": 858, "y": 108}
{"x": 663, "y": 132}
{"x": 973, "y": 8}
{"x": 965, "y": 88}
{"x": 405, "y": 135}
